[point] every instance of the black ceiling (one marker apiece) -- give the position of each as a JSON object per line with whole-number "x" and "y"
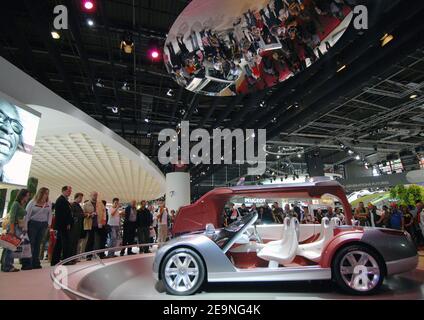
{"x": 366, "y": 106}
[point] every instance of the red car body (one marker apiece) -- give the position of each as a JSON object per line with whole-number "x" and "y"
{"x": 209, "y": 208}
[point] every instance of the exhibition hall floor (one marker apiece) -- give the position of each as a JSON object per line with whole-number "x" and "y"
{"x": 100, "y": 281}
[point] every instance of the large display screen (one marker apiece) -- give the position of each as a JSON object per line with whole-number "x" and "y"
{"x": 18, "y": 131}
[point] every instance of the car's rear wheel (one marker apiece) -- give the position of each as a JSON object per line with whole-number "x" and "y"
{"x": 358, "y": 270}
{"x": 182, "y": 272}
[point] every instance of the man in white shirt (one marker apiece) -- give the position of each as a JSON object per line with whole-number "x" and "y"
{"x": 114, "y": 222}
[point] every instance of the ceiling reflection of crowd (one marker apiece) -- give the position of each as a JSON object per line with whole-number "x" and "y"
{"x": 261, "y": 47}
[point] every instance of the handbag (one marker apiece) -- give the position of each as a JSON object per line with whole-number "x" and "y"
{"x": 24, "y": 249}
{"x": 10, "y": 242}
{"x": 88, "y": 223}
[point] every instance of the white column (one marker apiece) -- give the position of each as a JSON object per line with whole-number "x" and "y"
{"x": 9, "y": 189}
{"x": 177, "y": 190}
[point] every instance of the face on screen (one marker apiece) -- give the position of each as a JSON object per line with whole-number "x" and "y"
{"x": 10, "y": 132}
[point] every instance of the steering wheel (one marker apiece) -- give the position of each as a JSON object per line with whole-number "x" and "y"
{"x": 252, "y": 231}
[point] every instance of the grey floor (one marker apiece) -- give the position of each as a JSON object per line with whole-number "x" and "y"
{"x": 131, "y": 278}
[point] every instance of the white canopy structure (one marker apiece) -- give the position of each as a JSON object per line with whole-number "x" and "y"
{"x": 74, "y": 149}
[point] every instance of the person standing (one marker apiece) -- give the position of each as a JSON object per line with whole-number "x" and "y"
{"x": 77, "y": 231}
{"x": 16, "y": 227}
{"x": 103, "y": 225}
{"x": 373, "y": 216}
{"x": 144, "y": 221}
{"x": 95, "y": 212}
{"x": 37, "y": 220}
{"x": 114, "y": 224}
{"x": 130, "y": 226}
{"x": 362, "y": 214}
{"x": 277, "y": 213}
{"x": 163, "y": 222}
{"x": 385, "y": 215}
{"x": 63, "y": 224}
{"x": 396, "y": 218}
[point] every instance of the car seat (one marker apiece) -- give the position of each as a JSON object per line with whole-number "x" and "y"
{"x": 282, "y": 251}
{"x": 313, "y": 251}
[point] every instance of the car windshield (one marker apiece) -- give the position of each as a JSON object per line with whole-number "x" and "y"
{"x": 222, "y": 236}
{"x": 237, "y": 225}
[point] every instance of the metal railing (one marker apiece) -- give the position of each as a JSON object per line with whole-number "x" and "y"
{"x": 94, "y": 254}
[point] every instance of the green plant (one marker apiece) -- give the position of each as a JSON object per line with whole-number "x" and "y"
{"x": 407, "y": 195}
{"x": 13, "y": 195}
{"x": 32, "y": 187}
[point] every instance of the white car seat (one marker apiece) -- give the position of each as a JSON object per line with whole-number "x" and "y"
{"x": 282, "y": 251}
{"x": 313, "y": 251}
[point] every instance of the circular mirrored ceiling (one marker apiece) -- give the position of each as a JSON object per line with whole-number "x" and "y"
{"x": 228, "y": 47}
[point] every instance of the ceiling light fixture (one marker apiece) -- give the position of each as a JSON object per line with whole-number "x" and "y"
{"x": 413, "y": 96}
{"x": 99, "y": 83}
{"x": 55, "y": 35}
{"x": 115, "y": 110}
{"x": 90, "y": 22}
{"x": 146, "y": 120}
{"x": 341, "y": 68}
{"x": 88, "y": 5}
{"x": 358, "y": 157}
{"x": 387, "y": 38}
{"x": 125, "y": 86}
{"x": 170, "y": 93}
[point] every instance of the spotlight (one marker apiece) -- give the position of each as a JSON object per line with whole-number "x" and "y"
{"x": 154, "y": 54}
{"x": 99, "y": 83}
{"x": 387, "y": 38}
{"x": 358, "y": 157}
{"x": 340, "y": 69}
{"x": 253, "y": 135}
{"x": 299, "y": 155}
{"x": 262, "y": 104}
{"x": 90, "y": 22}
{"x": 170, "y": 93}
{"x": 350, "y": 151}
{"x": 413, "y": 96}
{"x": 88, "y": 5}
{"x": 125, "y": 86}
{"x": 115, "y": 110}
{"x": 146, "y": 120}
{"x": 55, "y": 35}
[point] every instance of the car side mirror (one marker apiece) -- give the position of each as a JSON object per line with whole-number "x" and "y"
{"x": 210, "y": 229}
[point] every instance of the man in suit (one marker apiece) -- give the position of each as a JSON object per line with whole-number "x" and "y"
{"x": 130, "y": 226}
{"x": 63, "y": 224}
{"x": 144, "y": 221}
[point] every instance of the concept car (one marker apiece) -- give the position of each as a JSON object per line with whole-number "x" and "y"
{"x": 356, "y": 258}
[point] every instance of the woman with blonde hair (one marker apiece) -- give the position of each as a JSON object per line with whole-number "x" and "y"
{"x": 37, "y": 220}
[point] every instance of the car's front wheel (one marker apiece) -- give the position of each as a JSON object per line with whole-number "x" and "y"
{"x": 182, "y": 272}
{"x": 358, "y": 270}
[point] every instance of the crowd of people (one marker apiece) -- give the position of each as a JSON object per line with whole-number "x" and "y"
{"x": 264, "y": 45}
{"x": 400, "y": 217}
{"x": 268, "y": 214}
{"x": 71, "y": 227}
